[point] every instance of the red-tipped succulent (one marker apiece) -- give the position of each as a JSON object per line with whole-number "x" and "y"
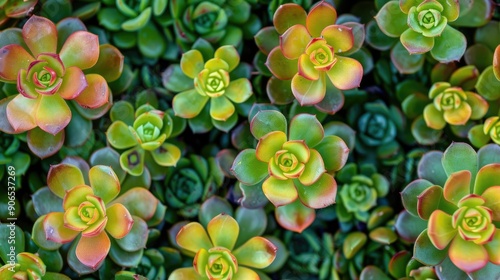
{"x": 53, "y": 66}
{"x": 312, "y": 48}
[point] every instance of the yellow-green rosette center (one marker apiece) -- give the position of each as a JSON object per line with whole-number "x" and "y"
{"x": 321, "y": 54}
{"x": 429, "y": 18}
{"x": 450, "y": 99}
{"x": 474, "y": 221}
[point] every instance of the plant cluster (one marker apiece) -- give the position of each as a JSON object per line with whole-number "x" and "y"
{"x": 250, "y": 139}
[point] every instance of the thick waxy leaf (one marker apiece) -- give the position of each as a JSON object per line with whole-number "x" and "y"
{"x": 425, "y": 252}
{"x": 346, "y": 73}
{"x": 104, "y": 182}
{"x": 223, "y": 231}
{"x": 63, "y": 177}
{"x": 119, "y": 136}
{"x": 309, "y": 92}
{"x": 441, "y": 230}
{"x": 487, "y": 177}
{"x": 280, "y": 66}
{"x": 44, "y": 144}
{"x": 383, "y": 235}
{"x": 184, "y": 273}
{"x": 496, "y": 63}
{"x": 415, "y": 42}
{"x": 136, "y": 238}
{"x": 40, "y": 35}
{"x": 458, "y": 157}
{"x": 230, "y": 55}
{"x": 269, "y": 144}
{"x": 266, "y": 121}
{"x": 306, "y": 127}
{"x": 109, "y": 64}
{"x": 279, "y": 192}
{"x": 313, "y": 169}
{"x": 188, "y": 104}
{"x": 221, "y": 108}
{"x": 321, "y": 16}
{"x": 193, "y": 237}
{"x": 450, "y": 46}
{"x": 21, "y": 112}
{"x": 53, "y": 225}
{"x": 166, "y": 155}
{"x": 457, "y": 186}
{"x": 47, "y": 119}
{"x": 76, "y": 195}
{"x": 81, "y": 49}
{"x": 266, "y": 39}
{"x": 119, "y": 221}
{"x": 14, "y": 58}
{"x": 294, "y": 41}
{"x": 333, "y": 151}
{"x": 405, "y": 62}
{"x": 295, "y": 216}
{"x": 353, "y": 243}
{"x": 320, "y": 194}
{"x": 339, "y": 37}
{"x": 248, "y": 169}
{"x": 74, "y": 82}
{"x": 492, "y": 246}
{"x": 92, "y": 251}
{"x": 492, "y": 201}
{"x": 391, "y": 20}
{"x": 96, "y": 94}
{"x": 478, "y": 105}
{"x": 432, "y": 199}
{"x": 139, "y": 202}
{"x": 431, "y": 169}
{"x": 257, "y": 252}
{"x": 245, "y": 273}
{"x": 409, "y": 226}
{"x": 288, "y": 15}
{"x": 192, "y": 63}
{"x": 254, "y": 221}
{"x": 467, "y": 255}
{"x": 239, "y": 90}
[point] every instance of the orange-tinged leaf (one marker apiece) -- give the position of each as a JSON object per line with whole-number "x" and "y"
{"x": 53, "y": 225}
{"x": 320, "y": 194}
{"x": 269, "y": 144}
{"x": 306, "y": 68}
{"x": 492, "y": 201}
{"x": 487, "y": 177}
{"x": 221, "y": 108}
{"x": 21, "y": 113}
{"x": 92, "y": 251}
{"x": 223, "y": 231}
{"x": 63, "y": 177}
{"x": 279, "y": 192}
{"x": 104, "y": 182}
{"x": 245, "y": 273}
{"x": 492, "y": 248}
{"x": 75, "y": 196}
{"x": 280, "y": 66}
{"x": 81, "y": 49}
{"x": 467, "y": 255}
{"x": 346, "y": 73}
{"x": 192, "y": 63}
{"x": 295, "y": 216}
{"x": 339, "y": 37}
{"x": 440, "y": 229}
{"x": 294, "y": 41}
{"x": 183, "y": 274}
{"x": 258, "y": 252}
{"x": 193, "y": 237}
{"x": 119, "y": 221}
{"x": 288, "y": 15}
{"x": 96, "y": 94}
{"x": 74, "y": 82}
{"x": 313, "y": 170}
{"x": 458, "y": 116}
{"x": 309, "y": 92}
{"x": 53, "y": 114}
{"x": 14, "y": 58}
{"x": 457, "y": 186}
{"x": 40, "y": 35}
{"x": 319, "y": 17}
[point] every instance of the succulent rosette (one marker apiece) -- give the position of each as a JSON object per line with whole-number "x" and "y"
{"x": 15, "y": 9}
{"x": 312, "y": 47}
{"x": 57, "y": 69}
{"x": 29, "y": 266}
{"x": 452, "y": 105}
{"x": 457, "y": 196}
{"x": 215, "y": 255}
{"x": 93, "y": 215}
{"x": 214, "y": 94}
{"x": 141, "y": 136}
{"x": 292, "y": 165}
{"x": 359, "y": 192}
{"x": 191, "y": 181}
{"x": 423, "y": 26}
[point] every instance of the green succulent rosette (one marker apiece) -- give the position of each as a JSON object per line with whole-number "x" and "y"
{"x": 92, "y": 216}
{"x": 193, "y": 180}
{"x": 423, "y": 26}
{"x": 62, "y": 74}
{"x": 215, "y": 254}
{"x": 359, "y": 192}
{"x": 403, "y": 265}
{"x": 215, "y": 94}
{"x": 312, "y": 56}
{"x": 293, "y": 165}
{"x": 456, "y": 196}
{"x": 142, "y": 135}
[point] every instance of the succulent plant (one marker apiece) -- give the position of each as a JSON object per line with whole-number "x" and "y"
{"x": 193, "y": 180}
{"x": 94, "y": 218}
{"x": 292, "y": 165}
{"x": 403, "y": 265}
{"x": 456, "y": 195}
{"x": 28, "y": 266}
{"x": 53, "y": 74}
{"x": 214, "y": 254}
{"x": 496, "y": 62}
{"x": 15, "y": 9}
{"x": 423, "y": 26}
{"x": 142, "y": 135}
{"x": 312, "y": 46}
{"x": 215, "y": 92}
{"x": 359, "y": 192}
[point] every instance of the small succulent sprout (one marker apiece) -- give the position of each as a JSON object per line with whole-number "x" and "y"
{"x": 452, "y": 105}
{"x": 292, "y": 165}
{"x": 423, "y": 27}
{"x": 311, "y": 48}
{"x": 146, "y": 135}
{"x": 28, "y": 266}
{"x": 49, "y": 77}
{"x": 457, "y": 196}
{"x": 212, "y": 86}
{"x": 492, "y": 128}
{"x": 215, "y": 255}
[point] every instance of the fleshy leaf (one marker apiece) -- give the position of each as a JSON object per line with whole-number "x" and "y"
{"x": 279, "y": 192}
{"x": 109, "y": 64}
{"x": 40, "y": 35}
{"x": 306, "y": 127}
{"x": 21, "y": 113}
{"x": 47, "y": 119}
{"x": 467, "y": 255}
{"x": 248, "y": 169}
{"x": 295, "y": 216}
{"x": 487, "y": 177}
{"x": 269, "y": 144}
{"x": 53, "y": 225}
{"x": 119, "y": 136}
{"x": 458, "y": 157}
{"x": 309, "y": 92}
{"x": 339, "y": 37}
{"x": 81, "y": 49}
{"x": 267, "y": 121}
{"x": 63, "y": 177}
{"x": 230, "y": 55}
{"x": 346, "y": 73}
{"x": 92, "y": 251}
{"x": 257, "y": 252}
{"x": 14, "y": 58}
{"x": 320, "y": 194}
{"x": 313, "y": 170}
{"x": 425, "y": 252}
{"x": 193, "y": 237}
{"x": 432, "y": 199}
{"x": 104, "y": 182}
{"x": 320, "y": 16}
{"x": 391, "y": 20}
{"x": 239, "y": 90}
{"x": 223, "y": 231}
{"x": 457, "y": 186}
{"x": 188, "y": 104}
{"x": 96, "y": 94}
{"x": 492, "y": 201}
{"x": 192, "y": 63}
{"x": 294, "y": 41}
{"x": 288, "y": 15}
{"x": 441, "y": 230}
{"x": 450, "y": 46}
{"x": 221, "y": 108}
{"x": 415, "y": 42}
{"x": 280, "y": 66}
{"x": 119, "y": 221}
